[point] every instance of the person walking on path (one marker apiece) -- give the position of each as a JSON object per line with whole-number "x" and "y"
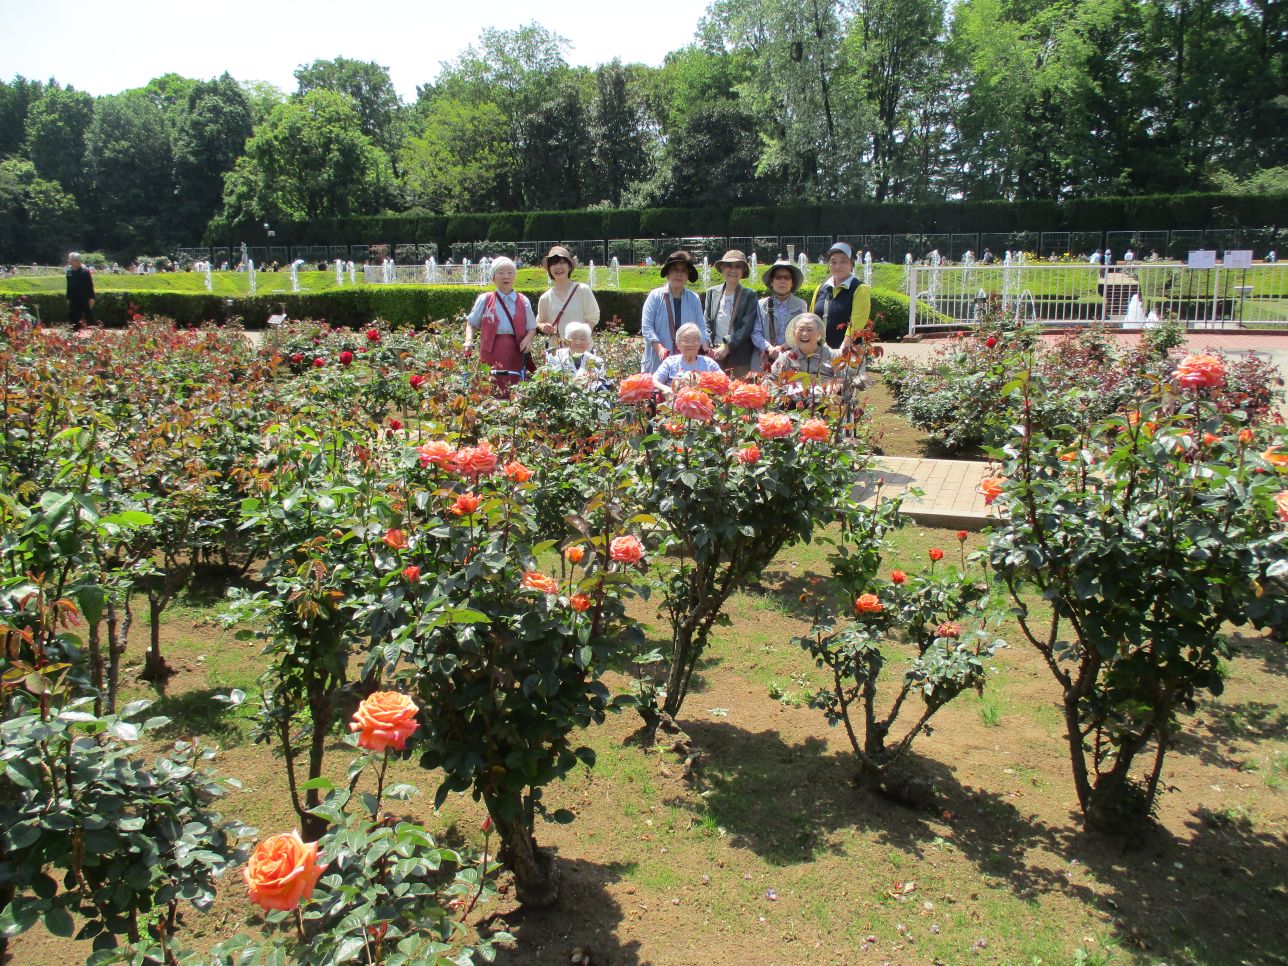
{"x": 80, "y": 291}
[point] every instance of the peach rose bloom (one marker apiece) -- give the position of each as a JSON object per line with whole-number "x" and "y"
{"x": 814, "y": 430}
{"x": 384, "y": 719}
{"x": 749, "y": 395}
{"x": 749, "y": 454}
{"x": 626, "y": 549}
{"x": 517, "y": 472}
{"x": 636, "y": 389}
{"x": 774, "y": 425}
{"x": 694, "y": 403}
{"x": 438, "y": 452}
{"x": 535, "y": 581}
{"x": 1200, "y": 372}
{"x": 475, "y": 461}
{"x": 716, "y": 383}
{"x": 869, "y": 604}
{"x": 283, "y": 871}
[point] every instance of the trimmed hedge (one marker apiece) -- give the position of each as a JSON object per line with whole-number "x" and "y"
{"x": 1144, "y": 212}
{"x": 402, "y": 304}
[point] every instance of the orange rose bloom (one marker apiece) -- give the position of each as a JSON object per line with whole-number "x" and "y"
{"x": 1245, "y": 436}
{"x": 716, "y": 383}
{"x": 412, "y": 573}
{"x": 395, "y": 538}
{"x": 384, "y": 719}
{"x": 535, "y": 581}
{"x": 437, "y": 451}
{"x": 694, "y": 403}
{"x": 991, "y": 487}
{"x": 475, "y": 461}
{"x": 465, "y": 504}
{"x": 815, "y": 430}
{"x": 868, "y": 604}
{"x": 749, "y": 395}
{"x": 627, "y": 549}
{"x": 579, "y": 603}
{"x": 674, "y": 428}
{"x": 898, "y": 576}
{"x": 574, "y": 554}
{"x": 1275, "y": 458}
{"x": 749, "y": 454}
{"x": 1200, "y": 372}
{"x": 774, "y": 425}
{"x": 949, "y": 629}
{"x": 517, "y": 472}
{"x": 1068, "y": 456}
{"x": 283, "y": 871}
{"x": 1281, "y": 505}
{"x": 935, "y": 554}
{"x": 636, "y": 389}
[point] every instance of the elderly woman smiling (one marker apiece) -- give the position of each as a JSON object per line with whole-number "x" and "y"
{"x": 506, "y": 324}
{"x": 687, "y": 364}
{"x": 806, "y": 352}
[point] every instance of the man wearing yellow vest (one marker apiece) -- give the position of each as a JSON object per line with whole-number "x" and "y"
{"x": 842, "y": 302}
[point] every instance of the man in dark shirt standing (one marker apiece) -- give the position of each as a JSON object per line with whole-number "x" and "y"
{"x": 80, "y": 291}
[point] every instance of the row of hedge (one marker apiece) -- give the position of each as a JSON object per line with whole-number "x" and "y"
{"x": 417, "y": 305}
{"x": 1153, "y": 212}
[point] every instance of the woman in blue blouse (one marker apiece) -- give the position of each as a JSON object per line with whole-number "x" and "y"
{"x": 669, "y": 307}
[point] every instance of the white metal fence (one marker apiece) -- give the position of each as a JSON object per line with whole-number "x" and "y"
{"x": 1128, "y": 295}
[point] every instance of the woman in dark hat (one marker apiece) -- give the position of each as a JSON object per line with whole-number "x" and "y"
{"x": 669, "y": 307}
{"x": 842, "y": 302}
{"x": 777, "y": 308}
{"x": 731, "y": 313}
{"x": 566, "y": 301}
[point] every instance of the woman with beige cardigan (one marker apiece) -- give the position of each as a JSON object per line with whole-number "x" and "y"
{"x": 566, "y": 301}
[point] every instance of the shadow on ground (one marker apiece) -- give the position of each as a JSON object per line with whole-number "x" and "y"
{"x": 586, "y": 916}
{"x": 1216, "y": 894}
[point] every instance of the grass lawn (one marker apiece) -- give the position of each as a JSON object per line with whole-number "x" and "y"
{"x": 777, "y": 858}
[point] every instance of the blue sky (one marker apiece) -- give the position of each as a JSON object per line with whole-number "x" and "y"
{"x": 105, "y": 48}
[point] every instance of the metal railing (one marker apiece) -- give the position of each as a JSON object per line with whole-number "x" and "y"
{"x": 1126, "y": 295}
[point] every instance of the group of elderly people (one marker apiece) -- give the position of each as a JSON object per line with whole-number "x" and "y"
{"x": 727, "y": 328}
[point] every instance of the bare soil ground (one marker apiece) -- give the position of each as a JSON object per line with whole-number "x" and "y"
{"x": 776, "y": 858}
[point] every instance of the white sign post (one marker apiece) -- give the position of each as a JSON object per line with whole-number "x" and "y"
{"x": 1202, "y": 258}
{"x": 1237, "y": 258}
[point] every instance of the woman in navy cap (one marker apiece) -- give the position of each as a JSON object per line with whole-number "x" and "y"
{"x": 842, "y": 302}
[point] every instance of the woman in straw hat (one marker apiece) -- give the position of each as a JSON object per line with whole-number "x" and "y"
{"x": 776, "y": 309}
{"x": 566, "y": 301}
{"x": 669, "y": 307}
{"x": 806, "y": 351}
{"x": 731, "y": 313}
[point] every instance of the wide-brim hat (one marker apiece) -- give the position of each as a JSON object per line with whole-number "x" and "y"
{"x": 798, "y": 277}
{"x": 734, "y": 257}
{"x": 556, "y": 253}
{"x": 844, "y": 248}
{"x": 791, "y": 328}
{"x": 681, "y": 258}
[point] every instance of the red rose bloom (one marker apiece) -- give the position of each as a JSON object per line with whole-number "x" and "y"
{"x": 373, "y": 335}
{"x": 898, "y": 576}
{"x": 961, "y": 536}
{"x": 990, "y": 342}
{"x": 319, "y": 362}
{"x": 415, "y": 381}
{"x": 395, "y": 424}
{"x": 412, "y": 573}
{"x": 936, "y": 554}
{"x": 297, "y": 357}
{"x": 346, "y": 357}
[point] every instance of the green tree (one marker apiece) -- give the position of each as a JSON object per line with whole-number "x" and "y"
{"x": 710, "y": 160}
{"x": 309, "y": 159}
{"x": 55, "y": 137}
{"x": 461, "y": 158}
{"x": 210, "y": 135}
{"x": 368, "y": 84}
{"x": 16, "y": 98}
{"x": 38, "y": 218}
{"x": 619, "y": 136}
{"x": 128, "y": 156}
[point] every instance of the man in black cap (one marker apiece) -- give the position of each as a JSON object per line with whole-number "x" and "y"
{"x": 80, "y": 291}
